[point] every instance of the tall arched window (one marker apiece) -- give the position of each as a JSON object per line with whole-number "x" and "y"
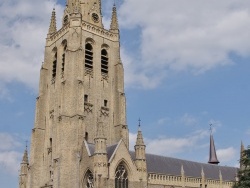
{"x": 121, "y": 177}
{"x": 88, "y": 180}
{"x": 104, "y": 61}
{"x": 63, "y": 56}
{"x": 88, "y": 56}
{"x": 54, "y": 66}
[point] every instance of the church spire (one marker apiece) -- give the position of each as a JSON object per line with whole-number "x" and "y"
{"x": 23, "y": 176}
{"x": 212, "y": 152}
{"x": 52, "y": 27}
{"x": 25, "y": 157}
{"x": 114, "y": 26}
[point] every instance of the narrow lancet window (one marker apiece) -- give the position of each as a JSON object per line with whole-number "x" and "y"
{"x": 54, "y": 66}
{"x": 86, "y": 98}
{"x": 63, "y": 58}
{"x": 104, "y": 61}
{"x": 121, "y": 177}
{"x": 88, "y": 56}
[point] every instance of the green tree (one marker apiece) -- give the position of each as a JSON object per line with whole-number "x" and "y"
{"x": 244, "y": 172}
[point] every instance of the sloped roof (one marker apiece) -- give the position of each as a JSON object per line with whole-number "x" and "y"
{"x": 172, "y": 166}
{"x": 110, "y": 149}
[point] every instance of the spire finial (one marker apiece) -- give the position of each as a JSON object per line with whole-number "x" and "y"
{"x": 114, "y": 26}
{"x": 139, "y": 122}
{"x": 211, "y": 129}
{"x": 52, "y": 27}
{"x": 26, "y": 142}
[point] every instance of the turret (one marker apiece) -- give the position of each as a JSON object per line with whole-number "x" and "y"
{"x": 203, "y": 179}
{"x": 114, "y": 26}
{"x": 100, "y": 157}
{"x": 23, "y": 176}
{"x": 212, "y": 152}
{"x": 52, "y": 27}
{"x": 140, "y": 155}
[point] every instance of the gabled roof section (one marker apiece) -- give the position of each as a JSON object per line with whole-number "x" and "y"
{"x": 172, "y": 166}
{"x": 110, "y": 149}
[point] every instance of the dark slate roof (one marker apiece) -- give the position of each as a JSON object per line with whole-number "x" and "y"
{"x": 172, "y": 166}
{"x": 110, "y": 149}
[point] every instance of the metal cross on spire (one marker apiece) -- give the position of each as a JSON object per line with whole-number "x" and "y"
{"x": 139, "y": 122}
{"x": 26, "y": 144}
{"x": 211, "y": 129}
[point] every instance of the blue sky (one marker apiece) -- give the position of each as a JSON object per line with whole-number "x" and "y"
{"x": 186, "y": 66}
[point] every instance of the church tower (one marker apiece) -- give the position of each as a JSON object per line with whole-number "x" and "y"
{"x": 81, "y": 85}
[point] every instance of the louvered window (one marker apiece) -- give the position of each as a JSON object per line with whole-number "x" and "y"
{"x": 54, "y": 66}
{"x": 88, "y": 56}
{"x": 104, "y": 61}
{"x": 63, "y": 58}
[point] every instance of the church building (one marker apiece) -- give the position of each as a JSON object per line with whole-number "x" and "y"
{"x": 80, "y": 137}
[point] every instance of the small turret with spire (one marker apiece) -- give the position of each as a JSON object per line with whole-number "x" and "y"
{"x": 100, "y": 155}
{"x": 23, "y": 176}
{"x": 52, "y": 27}
{"x": 140, "y": 154}
{"x": 114, "y": 26}
{"x": 212, "y": 152}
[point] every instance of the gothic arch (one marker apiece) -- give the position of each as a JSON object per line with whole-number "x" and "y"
{"x": 90, "y": 41}
{"x": 64, "y": 42}
{"x": 105, "y": 46}
{"x": 54, "y": 50}
{"x": 64, "y": 49}
{"x": 88, "y": 179}
{"x": 121, "y": 175}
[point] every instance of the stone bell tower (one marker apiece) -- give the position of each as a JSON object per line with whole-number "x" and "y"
{"x": 81, "y": 84}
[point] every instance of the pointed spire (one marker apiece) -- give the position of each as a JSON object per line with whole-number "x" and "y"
{"x": 114, "y": 26}
{"x": 25, "y": 156}
{"x": 212, "y": 152}
{"x": 52, "y": 27}
{"x": 139, "y": 140}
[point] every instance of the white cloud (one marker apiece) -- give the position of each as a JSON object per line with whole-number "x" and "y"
{"x": 188, "y": 119}
{"x": 170, "y": 146}
{"x": 9, "y": 142}
{"x": 24, "y": 25}
{"x": 137, "y": 75}
{"x": 10, "y": 158}
{"x": 193, "y": 36}
{"x": 10, "y": 162}
{"x": 225, "y": 155}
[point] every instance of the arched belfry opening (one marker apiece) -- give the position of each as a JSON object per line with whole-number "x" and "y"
{"x": 121, "y": 176}
{"x": 88, "y": 181}
{"x": 104, "y": 61}
{"x": 54, "y": 64}
{"x": 64, "y": 45}
{"x": 88, "y": 56}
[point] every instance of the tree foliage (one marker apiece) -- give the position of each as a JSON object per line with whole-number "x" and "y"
{"x": 244, "y": 172}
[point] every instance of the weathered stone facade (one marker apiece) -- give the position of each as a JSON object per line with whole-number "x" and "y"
{"x": 80, "y": 138}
